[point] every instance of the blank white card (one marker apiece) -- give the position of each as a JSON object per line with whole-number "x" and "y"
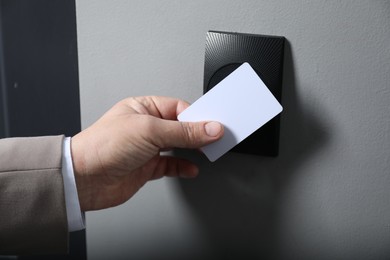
{"x": 241, "y": 102}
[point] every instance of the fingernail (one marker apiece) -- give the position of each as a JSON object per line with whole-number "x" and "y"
{"x": 213, "y": 128}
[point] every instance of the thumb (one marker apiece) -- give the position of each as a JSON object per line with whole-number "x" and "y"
{"x": 189, "y": 134}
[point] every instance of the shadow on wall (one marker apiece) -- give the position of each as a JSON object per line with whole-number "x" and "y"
{"x": 236, "y": 198}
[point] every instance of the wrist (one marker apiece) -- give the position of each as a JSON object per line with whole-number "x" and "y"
{"x": 79, "y": 168}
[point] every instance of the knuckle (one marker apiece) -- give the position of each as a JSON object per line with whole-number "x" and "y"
{"x": 191, "y": 133}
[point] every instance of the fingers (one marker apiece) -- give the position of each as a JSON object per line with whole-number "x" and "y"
{"x": 170, "y": 133}
{"x": 161, "y": 107}
{"x": 171, "y": 167}
{"x": 187, "y": 134}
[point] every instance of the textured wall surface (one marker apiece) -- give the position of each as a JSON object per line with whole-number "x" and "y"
{"x": 326, "y": 196}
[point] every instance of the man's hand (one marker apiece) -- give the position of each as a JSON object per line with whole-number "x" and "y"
{"x": 118, "y": 154}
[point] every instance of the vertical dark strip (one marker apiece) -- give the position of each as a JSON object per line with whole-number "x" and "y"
{"x": 40, "y": 55}
{"x": 4, "y": 123}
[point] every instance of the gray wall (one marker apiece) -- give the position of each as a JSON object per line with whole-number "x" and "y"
{"x": 326, "y": 196}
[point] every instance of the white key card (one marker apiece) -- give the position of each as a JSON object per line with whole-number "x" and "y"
{"x": 241, "y": 102}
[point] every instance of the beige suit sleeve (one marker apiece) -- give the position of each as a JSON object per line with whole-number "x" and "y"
{"x": 32, "y": 204}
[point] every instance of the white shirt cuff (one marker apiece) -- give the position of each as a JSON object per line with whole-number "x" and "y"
{"x": 76, "y": 220}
